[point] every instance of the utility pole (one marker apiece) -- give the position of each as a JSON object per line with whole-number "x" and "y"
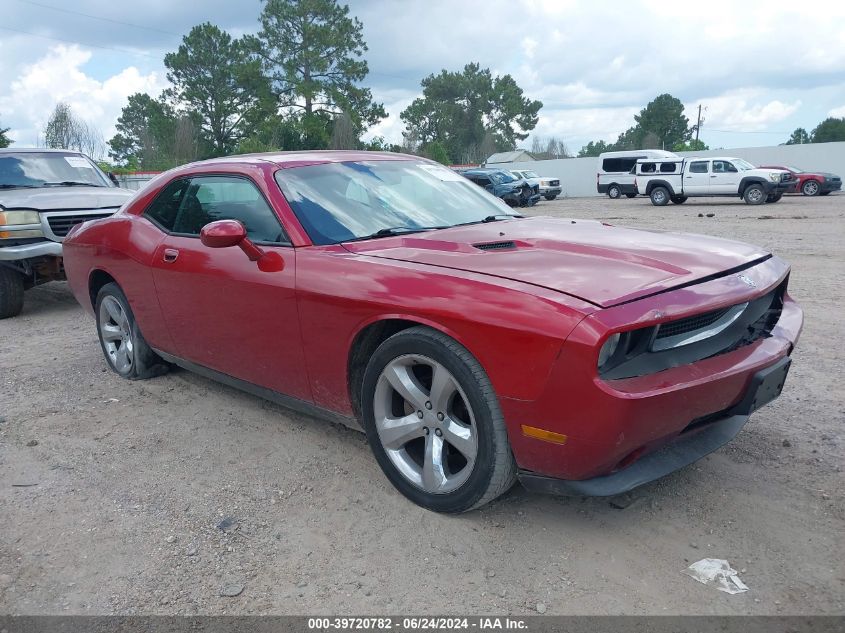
{"x": 698, "y": 125}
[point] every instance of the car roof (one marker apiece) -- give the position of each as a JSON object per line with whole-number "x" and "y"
{"x": 39, "y": 150}
{"x": 486, "y": 170}
{"x": 312, "y": 157}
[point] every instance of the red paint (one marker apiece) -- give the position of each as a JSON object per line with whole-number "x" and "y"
{"x": 534, "y": 316}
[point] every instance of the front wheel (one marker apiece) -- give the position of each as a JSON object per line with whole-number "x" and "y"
{"x": 754, "y": 194}
{"x": 434, "y": 423}
{"x": 679, "y": 199}
{"x": 11, "y": 292}
{"x": 551, "y": 197}
{"x": 824, "y": 193}
{"x": 614, "y": 192}
{"x": 124, "y": 347}
{"x": 774, "y": 197}
{"x": 659, "y": 196}
{"x": 631, "y": 195}
{"x": 811, "y": 188}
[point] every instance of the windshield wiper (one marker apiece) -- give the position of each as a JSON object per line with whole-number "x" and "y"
{"x": 72, "y": 183}
{"x": 393, "y": 230}
{"x": 491, "y": 218}
{"x": 8, "y": 186}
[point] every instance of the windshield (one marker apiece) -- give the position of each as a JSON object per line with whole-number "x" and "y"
{"x": 338, "y": 202}
{"x": 742, "y": 165}
{"x": 530, "y": 174}
{"x": 795, "y": 170}
{"x": 46, "y": 169}
{"x": 502, "y": 177}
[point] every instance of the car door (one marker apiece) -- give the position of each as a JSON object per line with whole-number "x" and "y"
{"x": 697, "y": 178}
{"x": 222, "y": 311}
{"x": 724, "y": 179}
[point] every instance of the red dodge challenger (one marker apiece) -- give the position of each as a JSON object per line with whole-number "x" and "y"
{"x": 474, "y": 345}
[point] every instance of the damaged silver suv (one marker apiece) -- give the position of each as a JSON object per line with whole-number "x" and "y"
{"x": 43, "y": 193}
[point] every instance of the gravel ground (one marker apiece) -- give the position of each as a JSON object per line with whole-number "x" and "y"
{"x": 164, "y": 496}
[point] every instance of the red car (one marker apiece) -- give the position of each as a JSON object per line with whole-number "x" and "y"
{"x": 474, "y": 345}
{"x": 811, "y": 183}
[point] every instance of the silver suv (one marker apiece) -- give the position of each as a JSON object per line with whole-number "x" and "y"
{"x": 43, "y": 193}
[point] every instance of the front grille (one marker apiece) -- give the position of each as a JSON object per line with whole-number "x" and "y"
{"x": 494, "y": 246}
{"x": 62, "y": 224}
{"x": 554, "y": 183}
{"x": 690, "y": 324}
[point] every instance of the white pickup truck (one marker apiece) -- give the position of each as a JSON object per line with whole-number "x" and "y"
{"x": 676, "y": 179}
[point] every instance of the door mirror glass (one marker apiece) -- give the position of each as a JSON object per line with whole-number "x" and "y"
{"x": 223, "y": 234}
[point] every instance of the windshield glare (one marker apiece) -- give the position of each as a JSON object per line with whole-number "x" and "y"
{"x": 338, "y": 202}
{"x": 742, "y": 165}
{"x": 36, "y": 169}
{"x": 501, "y": 178}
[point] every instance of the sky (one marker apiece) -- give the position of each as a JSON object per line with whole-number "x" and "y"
{"x": 759, "y": 69}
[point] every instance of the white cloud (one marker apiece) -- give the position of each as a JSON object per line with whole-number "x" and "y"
{"x": 59, "y": 76}
{"x": 837, "y": 112}
{"x": 743, "y": 111}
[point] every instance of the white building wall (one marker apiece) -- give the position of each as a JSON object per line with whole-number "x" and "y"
{"x": 578, "y": 175}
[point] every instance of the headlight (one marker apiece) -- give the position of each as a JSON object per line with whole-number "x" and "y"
{"x": 19, "y": 217}
{"x": 774, "y": 177}
{"x": 608, "y": 349}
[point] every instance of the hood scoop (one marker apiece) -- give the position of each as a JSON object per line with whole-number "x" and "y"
{"x": 495, "y": 246}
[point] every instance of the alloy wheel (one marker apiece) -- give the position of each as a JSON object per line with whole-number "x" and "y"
{"x": 116, "y": 333}
{"x": 425, "y": 423}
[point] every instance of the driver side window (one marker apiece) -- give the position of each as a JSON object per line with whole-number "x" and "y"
{"x": 210, "y": 198}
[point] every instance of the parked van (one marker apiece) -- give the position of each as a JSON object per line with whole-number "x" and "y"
{"x": 616, "y": 170}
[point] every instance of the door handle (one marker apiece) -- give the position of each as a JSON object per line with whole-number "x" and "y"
{"x": 170, "y": 255}
{"x": 713, "y": 176}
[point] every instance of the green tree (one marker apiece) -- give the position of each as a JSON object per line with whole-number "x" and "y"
{"x": 436, "y": 151}
{"x": 217, "y": 78}
{"x": 691, "y": 146}
{"x": 664, "y": 119}
{"x": 5, "y": 141}
{"x": 594, "y": 149}
{"x": 458, "y": 109}
{"x": 799, "y": 137}
{"x": 829, "y": 130}
{"x": 312, "y": 51}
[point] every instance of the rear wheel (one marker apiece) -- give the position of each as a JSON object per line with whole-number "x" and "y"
{"x": 124, "y": 347}
{"x": 11, "y": 292}
{"x": 679, "y": 199}
{"x": 754, "y": 194}
{"x": 614, "y": 192}
{"x": 434, "y": 423}
{"x": 659, "y": 196}
{"x": 811, "y": 188}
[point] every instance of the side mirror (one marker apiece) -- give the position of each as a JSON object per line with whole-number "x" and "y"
{"x": 226, "y": 233}
{"x": 223, "y": 234}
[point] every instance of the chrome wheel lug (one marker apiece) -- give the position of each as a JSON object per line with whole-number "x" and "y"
{"x": 440, "y": 416}
{"x": 420, "y": 414}
{"x": 438, "y": 433}
{"x": 425, "y": 430}
{"x": 428, "y": 405}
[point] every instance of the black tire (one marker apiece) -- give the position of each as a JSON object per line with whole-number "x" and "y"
{"x": 754, "y": 194}
{"x": 824, "y": 193}
{"x": 614, "y": 192}
{"x": 550, "y": 198}
{"x": 811, "y": 187}
{"x": 679, "y": 199}
{"x": 659, "y": 196}
{"x": 631, "y": 195}
{"x": 11, "y": 292}
{"x": 145, "y": 363}
{"x": 775, "y": 197}
{"x": 494, "y": 469}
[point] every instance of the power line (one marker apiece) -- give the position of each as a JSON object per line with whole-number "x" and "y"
{"x": 97, "y": 17}
{"x": 710, "y": 129}
{"x": 59, "y": 39}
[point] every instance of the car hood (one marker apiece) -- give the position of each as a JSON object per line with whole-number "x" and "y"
{"x": 596, "y": 262}
{"x": 61, "y": 198}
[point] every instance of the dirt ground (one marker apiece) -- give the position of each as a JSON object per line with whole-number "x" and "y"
{"x": 158, "y": 496}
